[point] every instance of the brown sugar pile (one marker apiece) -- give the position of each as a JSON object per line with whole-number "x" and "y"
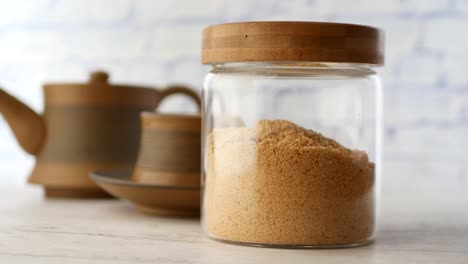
{"x": 281, "y": 184}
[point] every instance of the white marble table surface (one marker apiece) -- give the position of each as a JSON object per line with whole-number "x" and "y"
{"x": 414, "y": 228}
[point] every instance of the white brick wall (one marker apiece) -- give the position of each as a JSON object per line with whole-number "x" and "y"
{"x": 149, "y": 11}
{"x": 158, "y": 42}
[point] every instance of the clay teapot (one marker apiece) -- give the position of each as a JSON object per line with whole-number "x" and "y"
{"x": 85, "y": 127}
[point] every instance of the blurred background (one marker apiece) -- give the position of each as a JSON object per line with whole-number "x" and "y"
{"x": 158, "y": 43}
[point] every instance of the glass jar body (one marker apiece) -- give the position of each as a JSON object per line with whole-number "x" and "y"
{"x": 291, "y": 154}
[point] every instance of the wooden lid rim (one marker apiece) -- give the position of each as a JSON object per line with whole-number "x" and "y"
{"x": 292, "y": 41}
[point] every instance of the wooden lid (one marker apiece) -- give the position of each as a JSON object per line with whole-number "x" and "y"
{"x": 172, "y": 122}
{"x": 292, "y": 41}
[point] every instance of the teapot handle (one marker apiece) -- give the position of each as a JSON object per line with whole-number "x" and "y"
{"x": 179, "y": 89}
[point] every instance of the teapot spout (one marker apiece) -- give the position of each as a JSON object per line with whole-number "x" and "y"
{"x": 27, "y": 126}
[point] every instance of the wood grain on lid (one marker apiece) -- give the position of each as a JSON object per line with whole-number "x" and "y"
{"x": 292, "y": 41}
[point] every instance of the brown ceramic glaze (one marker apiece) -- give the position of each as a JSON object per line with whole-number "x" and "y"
{"x": 170, "y": 150}
{"x": 85, "y": 127}
{"x": 150, "y": 198}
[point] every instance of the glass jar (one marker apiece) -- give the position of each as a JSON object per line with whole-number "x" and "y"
{"x": 292, "y": 126}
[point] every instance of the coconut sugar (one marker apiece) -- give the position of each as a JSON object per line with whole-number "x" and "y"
{"x": 281, "y": 184}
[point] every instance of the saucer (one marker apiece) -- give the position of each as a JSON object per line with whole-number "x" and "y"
{"x": 150, "y": 198}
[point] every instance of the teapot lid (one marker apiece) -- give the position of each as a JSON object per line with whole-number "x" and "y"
{"x": 98, "y": 90}
{"x": 98, "y": 77}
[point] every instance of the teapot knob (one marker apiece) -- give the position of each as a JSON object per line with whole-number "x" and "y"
{"x": 99, "y": 77}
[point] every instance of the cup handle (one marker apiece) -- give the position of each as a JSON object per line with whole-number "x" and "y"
{"x": 179, "y": 89}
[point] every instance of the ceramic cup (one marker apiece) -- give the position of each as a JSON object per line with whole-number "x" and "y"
{"x": 170, "y": 150}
